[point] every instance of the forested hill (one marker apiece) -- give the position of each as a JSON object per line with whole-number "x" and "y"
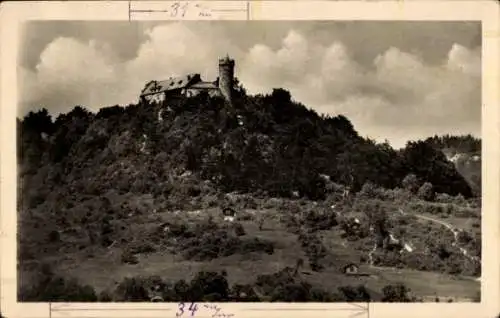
{"x": 265, "y": 143}
{"x": 465, "y": 153}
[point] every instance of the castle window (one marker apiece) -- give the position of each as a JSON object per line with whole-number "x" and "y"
{"x": 180, "y": 82}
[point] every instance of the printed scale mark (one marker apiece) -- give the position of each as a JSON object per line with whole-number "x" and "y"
{"x": 64, "y": 310}
{"x": 189, "y": 9}
{"x": 193, "y": 309}
{"x": 337, "y": 310}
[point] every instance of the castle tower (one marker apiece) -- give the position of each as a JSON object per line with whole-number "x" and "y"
{"x": 226, "y": 75}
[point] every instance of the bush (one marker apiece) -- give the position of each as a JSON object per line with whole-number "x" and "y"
{"x": 239, "y": 230}
{"x": 54, "y": 288}
{"x": 104, "y": 296}
{"x": 426, "y": 192}
{"x": 129, "y": 258}
{"x": 209, "y": 286}
{"x": 396, "y": 293}
{"x": 181, "y": 290}
{"x": 410, "y": 183}
{"x": 244, "y": 293}
{"x": 464, "y": 237}
{"x": 370, "y": 191}
{"x": 314, "y": 250}
{"x": 320, "y": 220}
{"x": 293, "y": 292}
{"x": 283, "y": 287}
{"x": 359, "y": 293}
{"x": 319, "y": 295}
{"x": 245, "y": 216}
{"x": 54, "y": 237}
{"x": 256, "y": 245}
{"x": 132, "y": 289}
{"x": 141, "y": 248}
{"x": 208, "y": 245}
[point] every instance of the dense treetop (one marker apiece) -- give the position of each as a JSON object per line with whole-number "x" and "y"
{"x": 259, "y": 143}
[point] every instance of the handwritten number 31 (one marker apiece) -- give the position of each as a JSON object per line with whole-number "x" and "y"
{"x": 192, "y": 308}
{"x": 175, "y": 9}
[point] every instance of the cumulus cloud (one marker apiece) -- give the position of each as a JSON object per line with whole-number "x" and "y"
{"x": 399, "y": 96}
{"x": 73, "y": 72}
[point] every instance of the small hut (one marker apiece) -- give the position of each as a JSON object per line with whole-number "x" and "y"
{"x": 350, "y": 269}
{"x": 229, "y": 214}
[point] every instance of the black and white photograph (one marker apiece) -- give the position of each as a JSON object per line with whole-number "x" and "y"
{"x": 249, "y": 161}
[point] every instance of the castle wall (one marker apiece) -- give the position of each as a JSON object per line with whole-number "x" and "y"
{"x": 196, "y": 91}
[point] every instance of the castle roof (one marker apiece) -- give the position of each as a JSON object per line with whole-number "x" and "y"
{"x": 171, "y": 84}
{"x": 204, "y": 85}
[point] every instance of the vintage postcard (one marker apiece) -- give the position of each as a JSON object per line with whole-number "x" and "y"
{"x": 250, "y": 158}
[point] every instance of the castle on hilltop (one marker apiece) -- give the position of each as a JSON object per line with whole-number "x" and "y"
{"x": 192, "y": 85}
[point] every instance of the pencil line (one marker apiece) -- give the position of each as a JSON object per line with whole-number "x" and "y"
{"x": 302, "y": 309}
{"x": 110, "y": 309}
{"x": 129, "y": 5}
{"x": 145, "y": 10}
{"x": 228, "y": 10}
{"x": 359, "y": 306}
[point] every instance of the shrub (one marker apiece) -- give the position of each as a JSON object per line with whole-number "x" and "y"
{"x": 181, "y": 290}
{"x": 141, "y": 247}
{"x": 370, "y": 191}
{"x": 292, "y": 292}
{"x": 282, "y": 286}
{"x": 410, "y": 183}
{"x": 245, "y": 216}
{"x": 396, "y": 293}
{"x": 54, "y": 236}
{"x": 350, "y": 293}
{"x": 104, "y": 296}
{"x": 210, "y": 244}
{"x": 314, "y": 250}
{"x": 426, "y": 192}
{"x": 54, "y": 288}
{"x": 193, "y": 191}
{"x": 320, "y": 220}
{"x": 464, "y": 237}
{"x": 319, "y": 295}
{"x": 269, "y": 282}
{"x": 467, "y": 213}
{"x": 401, "y": 195}
{"x": 129, "y": 258}
{"x": 244, "y": 293}
{"x": 256, "y": 245}
{"x": 132, "y": 289}
{"x": 209, "y": 286}
{"x": 239, "y": 230}
{"x": 443, "y": 198}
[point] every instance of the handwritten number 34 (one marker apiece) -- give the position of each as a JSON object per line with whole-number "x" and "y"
{"x": 192, "y": 308}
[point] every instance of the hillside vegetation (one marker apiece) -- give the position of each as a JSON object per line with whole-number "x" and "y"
{"x": 139, "y": 189}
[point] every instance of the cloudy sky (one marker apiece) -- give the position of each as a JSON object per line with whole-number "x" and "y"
{"x": 393, "y": 80}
